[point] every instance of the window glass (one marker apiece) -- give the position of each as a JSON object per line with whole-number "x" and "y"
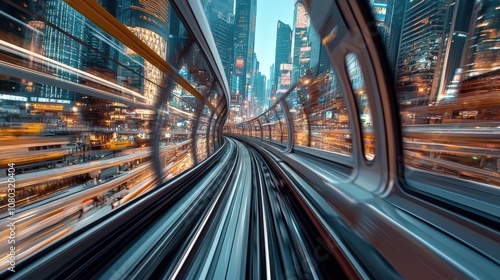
{"x": 445, "y": 60}
{"x": 265, "y": 127}
{"x": 362, "y": 104}
{"x": 284, "y": 123}
{"x": 276, "y": 125}
{"x": 327, "y": 113}
{"x": 78, "y": 99}
{"x": 256, "y": 127}
{"x": 298, "y": 116}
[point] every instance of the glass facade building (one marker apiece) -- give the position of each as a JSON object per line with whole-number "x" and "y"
{"x": 301, "y": 49}
{"x": 244, "y": 28}
{"x": 283, "y": 48}
{"x": 419, "y": 52}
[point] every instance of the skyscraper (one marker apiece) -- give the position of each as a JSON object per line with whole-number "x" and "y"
{"x": 301, "y": 49}
{"x": 260, "y": 93}
{"x": 271, "y": 87}
{"x": 283, "y": 47}
{"x": 150, "y": 24}
{"x": 457, "y": 34}
{"x": 483, "y": 55}
{"x": 220, "y": 16}
{"x": 216, "y": 8}
{"x": 320, "y": 61}
{"x": 99, "y": 56}
{"x": 62, "y": 48}
{"x": 244, "y": 41}
{"x": 392, "y": 25}
{"x": 222, "y": 30}
{"x": 420, "y": 48}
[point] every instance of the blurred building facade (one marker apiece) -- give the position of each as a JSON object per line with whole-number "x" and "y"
{"x": 419, "y": 52}
{"x": 483, "y": 53}
{"x": 393, "y": 23}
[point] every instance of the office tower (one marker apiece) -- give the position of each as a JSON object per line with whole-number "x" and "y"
{"x": 251, "y": 101}
{"x": 420, "y": 48}
{"x": 320, "y": 62}
{"x": 392, "y": 25}
{"x": 453, "y": 51}
{"x": 271, "y": 76}
{"x": 271, "y": 86}
{"x": 220, "y": 16}
{"x": 260, "y": 93}
{"x": 283, "y": 47}
{"x": 244, "y": 40}
{"x": 284, "y": 78}
{"x": 315, "y": 43}
{"x": 62, "y": 48}
{"x": 300, "y": 45}
{"x": 481, "y": 71}
{"x": 150, "y": 24}
{"x": 222, "y": 30}
{"x": 216, "y": 8}
{"x": 483, "y": 54}
{"x": 178, "y": 38}
{"x": 251, "y": 87}
{"x": 103, "y": 49}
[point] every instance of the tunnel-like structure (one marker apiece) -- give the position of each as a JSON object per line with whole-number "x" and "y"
{"x": 325, "y": 184}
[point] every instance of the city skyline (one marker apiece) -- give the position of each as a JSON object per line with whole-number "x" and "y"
{"x": 427, "y": 71}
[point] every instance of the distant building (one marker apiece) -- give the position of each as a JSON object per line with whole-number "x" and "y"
{"x": 283, "y": 48}
{"x": 285, "y": 77}
{"x": 217, "y": 9}
{"x": 320, "y": 62}
{"x": 151, "y": 25}
{"x": 62, "y": 48}
{"x": 454, "y": 49}
{"x": 102, "y": 55}
{"x": 392, "y": 30}
{"x": 301, "y": 48}
{"x": 244, "y": 41}
{"x": 271, "y": 87}
{"x": 220, "y": 17}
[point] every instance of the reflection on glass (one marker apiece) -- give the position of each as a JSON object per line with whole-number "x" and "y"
{"x": 266, "y": 127}
{"x": 93, "y": 118}
{"x": 321, "y": 109}
{"x": 275, "y": 125}
{"x": 358, "y": 87}
{"x": 256, "y": 127}
{"x": 283, "y": 122}
{"x": 447, "y": 85}
{"x": 299, "y": 117}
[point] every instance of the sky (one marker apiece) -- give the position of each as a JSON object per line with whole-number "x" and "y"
{"x": 268, "y": 14}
